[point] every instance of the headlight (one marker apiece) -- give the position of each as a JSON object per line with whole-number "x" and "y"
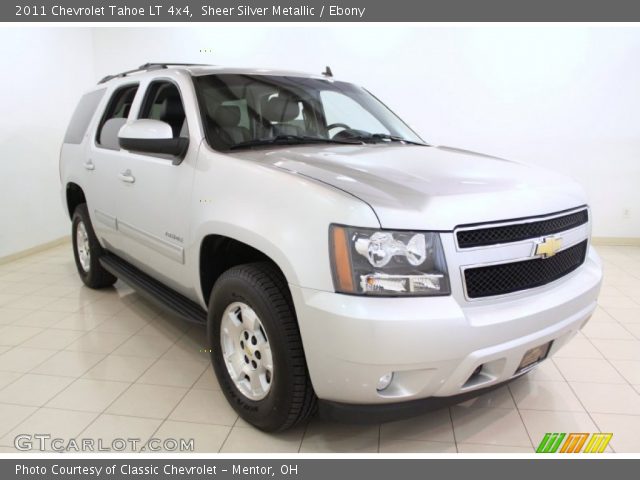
{"x": 383, "y": 262}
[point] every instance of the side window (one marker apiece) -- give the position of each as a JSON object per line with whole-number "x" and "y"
{"x": 338, "y": 107}
{"x": 163, "y": 102}
{"x": 82, "y": 116}
{"x": 115, "y": 116}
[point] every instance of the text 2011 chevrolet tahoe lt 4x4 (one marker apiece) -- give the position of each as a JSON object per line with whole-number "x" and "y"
{"x": 337, "y": 260}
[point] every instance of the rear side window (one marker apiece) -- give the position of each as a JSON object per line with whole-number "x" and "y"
{"x": 82, "y": 116}
{"x": 115, "y": 116}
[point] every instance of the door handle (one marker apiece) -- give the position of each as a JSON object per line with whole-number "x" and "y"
{"x": 126, "y": 176}
{"x": 89, "y": 165}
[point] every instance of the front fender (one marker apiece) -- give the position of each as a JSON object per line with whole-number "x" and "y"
{"x": 281, "y": 214}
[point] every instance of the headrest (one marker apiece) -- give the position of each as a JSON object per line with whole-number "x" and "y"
{"x": 282, "y": 108}
{"x": 227, "y": 116}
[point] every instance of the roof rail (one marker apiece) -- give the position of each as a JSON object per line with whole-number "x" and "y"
{"x": 151, "y": 66}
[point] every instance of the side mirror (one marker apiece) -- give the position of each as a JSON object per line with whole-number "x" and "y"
{"x": 152, "y": 136}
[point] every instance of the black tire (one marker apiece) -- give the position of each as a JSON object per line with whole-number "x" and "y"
{"x": 290, "y": 399}
{"x": 96, "y": 276}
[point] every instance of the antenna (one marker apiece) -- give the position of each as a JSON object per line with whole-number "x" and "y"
{"x": 327, "y": 72}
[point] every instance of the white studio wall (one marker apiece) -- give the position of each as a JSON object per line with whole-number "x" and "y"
{"x": 44, "y": 72}
{"x": 560, "y": 97}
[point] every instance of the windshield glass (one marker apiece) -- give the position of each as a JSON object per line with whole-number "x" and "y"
{"x": 247, "y": 111}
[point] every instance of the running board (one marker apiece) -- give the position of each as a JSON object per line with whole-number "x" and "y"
{"x": 154, "y": 290}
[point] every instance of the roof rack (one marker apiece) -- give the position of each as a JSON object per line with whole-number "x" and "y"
{"x": 151, "y": 66}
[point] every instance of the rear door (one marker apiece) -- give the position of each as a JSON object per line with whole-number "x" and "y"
{"x": 102, "y": 163}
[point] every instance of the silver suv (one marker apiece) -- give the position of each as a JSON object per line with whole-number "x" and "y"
{"x": 336, "y": 258}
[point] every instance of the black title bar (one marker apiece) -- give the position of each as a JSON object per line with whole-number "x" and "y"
{"x": 319, "y": 11}
{"x": 307, "y": 469}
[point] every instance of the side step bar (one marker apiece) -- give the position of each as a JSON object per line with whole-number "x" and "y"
{"x": 154, "y": 290}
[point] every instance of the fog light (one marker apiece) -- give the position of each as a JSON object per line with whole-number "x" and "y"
{"x": 384, "y": 381}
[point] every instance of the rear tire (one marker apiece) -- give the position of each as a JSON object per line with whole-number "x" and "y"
{"x": 265, "y": 344}
{"x": 87, "y": 251}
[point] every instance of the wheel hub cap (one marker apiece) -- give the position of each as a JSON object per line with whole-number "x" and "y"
{"x": 246, "y": 351}
{"x": 82, "y": 244}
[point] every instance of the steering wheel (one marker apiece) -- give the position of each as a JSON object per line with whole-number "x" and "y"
{"x": 344, "y": 126}
{"x": 338, "y": 125}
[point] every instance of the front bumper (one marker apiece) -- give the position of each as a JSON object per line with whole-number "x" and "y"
{"x": 388, "y": 412}
{"x": 434, "y": 345}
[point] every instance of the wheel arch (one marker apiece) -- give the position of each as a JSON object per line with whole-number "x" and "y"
{"x": 74, "y": 196}
{"x": 218, "y": 253}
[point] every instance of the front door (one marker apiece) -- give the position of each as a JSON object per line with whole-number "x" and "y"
{"x": 155, "y": 192}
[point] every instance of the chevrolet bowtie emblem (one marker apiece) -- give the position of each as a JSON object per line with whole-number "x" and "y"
{"x": 548, "y": 246}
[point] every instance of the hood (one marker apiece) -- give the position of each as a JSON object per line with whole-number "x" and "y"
{"x": 428, "y": 188}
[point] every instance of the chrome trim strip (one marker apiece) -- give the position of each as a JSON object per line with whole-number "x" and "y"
{"x": 541, "y": 218}
{"x": 532, "y": 256}
{"x": 167, "y": 249}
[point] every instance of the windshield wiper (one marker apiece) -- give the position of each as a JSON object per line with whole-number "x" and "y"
{"x": 381, "y": 137}
{"x": 291, "y": 140}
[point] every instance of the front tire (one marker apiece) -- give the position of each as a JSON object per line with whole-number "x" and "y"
{"x": 87, "y": 251}
{"x": 257, "y": 351}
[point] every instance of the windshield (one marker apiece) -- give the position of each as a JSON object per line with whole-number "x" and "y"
{"x": 248, "y": 111}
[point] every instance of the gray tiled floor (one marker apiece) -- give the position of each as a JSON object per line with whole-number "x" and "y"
{"x": 77, "y": 363}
